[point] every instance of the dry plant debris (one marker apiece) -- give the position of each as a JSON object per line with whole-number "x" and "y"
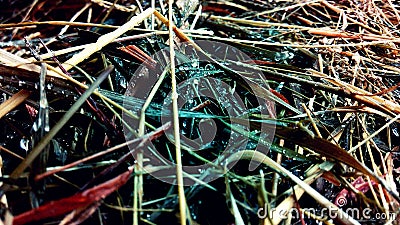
{"x": 314, "y": 82}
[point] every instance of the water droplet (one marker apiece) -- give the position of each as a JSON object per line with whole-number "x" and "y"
{"x": 395, "y": 132}
{"x": 35, "y": 127}
{"x": 47, "y": 127}
{"x": 123, "y": 83}
{"x": 24, "y": 144}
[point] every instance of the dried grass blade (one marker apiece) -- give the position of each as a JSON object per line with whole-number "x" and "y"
{"x": 289, "y": 202}
{"x": 178, "y": 156}
{"x": 83, "y": 199}
{"x": 79, "y": 215}
{"x": 16, "y": 61}
{"x": 13, "y": 102}
{"x": 234, "y": 208}
{"x": 106, "y": 39}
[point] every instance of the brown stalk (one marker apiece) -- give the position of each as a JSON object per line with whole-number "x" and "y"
{"x": 140, "y": 55}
